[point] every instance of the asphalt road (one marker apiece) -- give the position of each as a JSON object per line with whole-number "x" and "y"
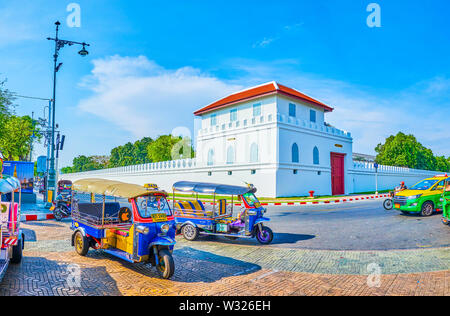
{"x": 351, "y": 226}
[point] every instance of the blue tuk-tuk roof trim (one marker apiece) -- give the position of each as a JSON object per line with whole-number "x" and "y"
{"x": 211, "y": 188}
{"x": 9, "y": 184}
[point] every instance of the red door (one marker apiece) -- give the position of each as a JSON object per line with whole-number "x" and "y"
{"x": 337, "y": 174}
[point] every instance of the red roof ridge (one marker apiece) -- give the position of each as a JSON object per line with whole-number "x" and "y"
{"x": 264, "y": 89}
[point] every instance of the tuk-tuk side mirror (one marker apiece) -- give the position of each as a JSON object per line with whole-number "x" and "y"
{"x": 142, "y": 229}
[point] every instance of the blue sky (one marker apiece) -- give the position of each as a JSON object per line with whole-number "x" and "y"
{"x": 152, "y": 63}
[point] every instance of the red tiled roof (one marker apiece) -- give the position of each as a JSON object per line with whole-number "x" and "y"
{"x": 259, "y": 91}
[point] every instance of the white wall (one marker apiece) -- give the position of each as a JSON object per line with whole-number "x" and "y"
{"x": 363, "y": 176}
{"x": 165, "y": 174}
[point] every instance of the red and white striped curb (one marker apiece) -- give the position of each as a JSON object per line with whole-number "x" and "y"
{"x": 331, "y": 201}
{"x": 36, "y": 217}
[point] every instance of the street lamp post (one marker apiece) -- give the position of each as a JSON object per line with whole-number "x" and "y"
{"x": 59, "y": 43}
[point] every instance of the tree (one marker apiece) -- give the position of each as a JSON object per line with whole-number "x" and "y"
{"x": 140, "y": 150}
{"x": 17, "y": 137}
{"x": 405, "y": 151}
{"x": 162, "y": 149}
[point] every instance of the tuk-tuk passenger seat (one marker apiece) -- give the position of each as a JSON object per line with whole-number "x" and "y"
{"x": 96, "y": 209}
{"x": 192, "y": 208}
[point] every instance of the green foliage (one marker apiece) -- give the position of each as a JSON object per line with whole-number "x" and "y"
{"x": 17, "y": 137}
{"x": 168, "y": 147}
{"x": 145, "y": 150}
{"x": 405, "y": 151}
{"x": 16, "y": 132}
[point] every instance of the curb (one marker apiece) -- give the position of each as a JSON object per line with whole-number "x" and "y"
{"x": 36, "y": 217}
{"x": 303, "y": 203}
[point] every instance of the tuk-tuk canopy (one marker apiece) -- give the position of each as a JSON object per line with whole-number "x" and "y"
{"x": 212, "y": 188}
{"x": 9, "y": 184}
{"x": 113, "y": 188}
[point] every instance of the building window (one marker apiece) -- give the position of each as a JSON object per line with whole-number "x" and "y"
{"x": 295, "y": 156}
{"x": 253, "y": 171}
{"x": 233, "y": 115}
{"x": 295, "y": 171}
{"x": 209, "y": 173}
{"x": 254, "y": 153}
{"x": 230, "y": 155}
{"x": 292, "y": 110}
{"x": 312, "y": 116}
{"x": 319, "y": 173}
{"x": 230, "y": 173}
{"x": 316, "y": 160}
{"x": 213, "y": 120}
{"x": 257, "y": 109}
{"x": 211, "y": 157}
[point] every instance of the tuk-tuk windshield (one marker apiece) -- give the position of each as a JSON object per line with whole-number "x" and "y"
{"x": 424, "y": 185}
{"x": 152, "y": 204}
{"x": 251, "y": 200}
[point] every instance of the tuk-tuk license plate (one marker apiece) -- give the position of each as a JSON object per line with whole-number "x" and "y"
{"x": 397, "y": 205}
{"x": 159, "y": 217}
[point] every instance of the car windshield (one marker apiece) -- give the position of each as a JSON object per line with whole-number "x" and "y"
{"x": 424, "y": 185}
{"x": 251, "y": 200}
{"x": 152, "y": 204}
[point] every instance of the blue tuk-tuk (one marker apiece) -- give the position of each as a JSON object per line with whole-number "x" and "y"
{"x": 124, "y": 220}
{"x": 195, "y": 217}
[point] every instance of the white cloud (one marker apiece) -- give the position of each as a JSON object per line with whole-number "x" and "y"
{"x": 369, "y": 115}
{"x": 146, "y": 99}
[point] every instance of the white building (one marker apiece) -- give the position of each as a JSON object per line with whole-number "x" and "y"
{"x": 277, "y": 132}
{"x": 274, "y": 137}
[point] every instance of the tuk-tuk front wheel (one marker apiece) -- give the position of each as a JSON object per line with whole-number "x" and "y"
{"x": 81, "y": 244}
{"x": 264, "y": 235}
{"x": 189, "y": 232}
{"x": 166, "y": 266}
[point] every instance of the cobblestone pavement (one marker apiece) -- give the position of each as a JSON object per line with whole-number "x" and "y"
{"x": 212, "y": 267}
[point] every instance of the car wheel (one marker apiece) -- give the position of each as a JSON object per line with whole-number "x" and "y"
{"x": 189, "y": 232}
{"x": 427, "y": 209}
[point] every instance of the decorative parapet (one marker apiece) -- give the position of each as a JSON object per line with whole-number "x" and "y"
{"x": 148, "y": 167}
{"x": 281, "y": 118}
{"x": 369, "y": 166}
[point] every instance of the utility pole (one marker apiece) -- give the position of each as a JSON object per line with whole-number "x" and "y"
{"x": 59, "y": 43}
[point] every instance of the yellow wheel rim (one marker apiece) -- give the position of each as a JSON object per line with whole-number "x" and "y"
{"x": 79, "y": 242}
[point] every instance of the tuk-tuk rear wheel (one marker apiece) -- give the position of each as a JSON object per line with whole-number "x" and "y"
{"x": 81, "y": 244}
{"x": 166, "y": 266}
{"x": 17, "y": 252}
{"x": 189, "y": 232}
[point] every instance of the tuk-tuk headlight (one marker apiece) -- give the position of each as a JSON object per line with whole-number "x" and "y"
{"x": 165, "y": 228}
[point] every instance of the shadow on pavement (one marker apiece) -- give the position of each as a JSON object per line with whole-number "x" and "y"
{"x": 45, "y": 277}
{"x": 278, "y": 238}
{"x": 191, "y": 265}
